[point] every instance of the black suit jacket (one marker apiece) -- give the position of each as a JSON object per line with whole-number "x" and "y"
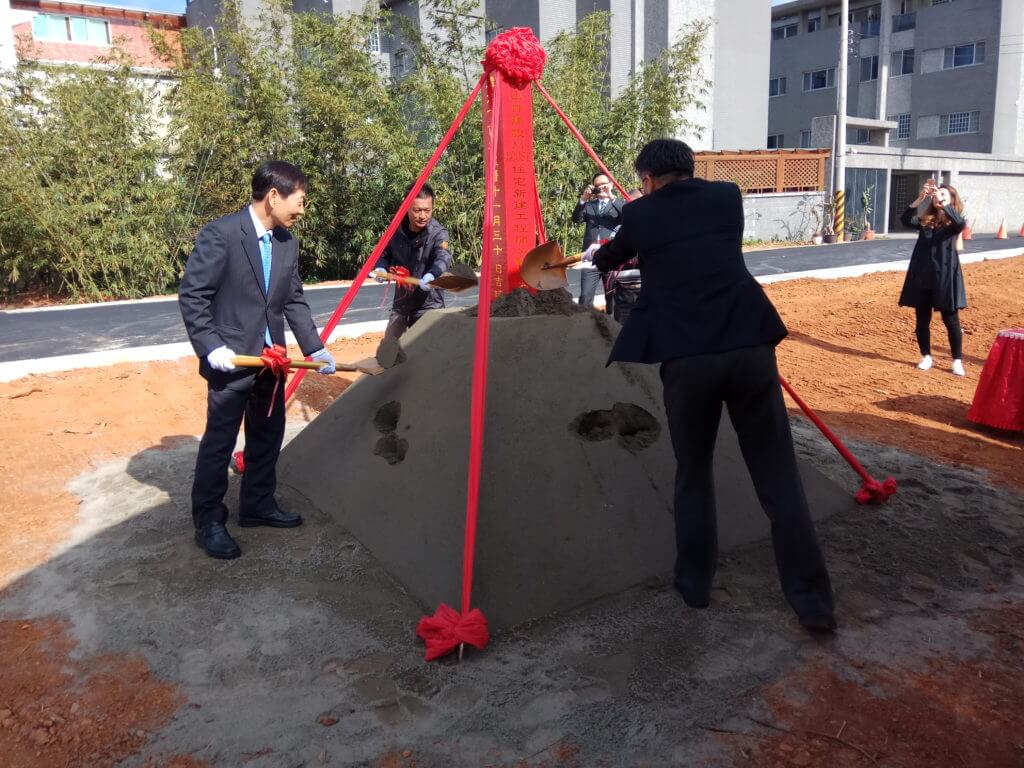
{"x": 222, "y": 296}
{"x": 697, "y": 296}
{"x": 599, "y": 225}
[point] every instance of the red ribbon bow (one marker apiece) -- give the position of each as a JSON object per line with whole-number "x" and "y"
{"x": 447, "y": 629}
{"x": 275, "y": 359}
{"x": 872, "y": 491}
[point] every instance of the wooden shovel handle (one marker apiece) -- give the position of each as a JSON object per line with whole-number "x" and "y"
{"x": 565, "y": 262}
{"x": 253, "y": 361}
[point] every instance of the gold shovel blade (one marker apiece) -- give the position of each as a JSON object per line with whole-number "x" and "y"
{"x": 533, "y": 272}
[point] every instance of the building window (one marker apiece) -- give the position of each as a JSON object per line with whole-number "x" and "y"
{"x": 774, "y": 140}
{"x": 963, "y": 55}
{"x": 902, "y": 125}
{"x": 868, "y": 68}
{"x": 373, "y": 41}
{"x": 832, "y": 20}
{"x": 492, "y": 31}
{"x": 777, "y": 87}
{"x": 403, "y": 61}
{"x": 959, "y": 122}
{"x": 902, "y": 63}
{"x": 789, "y": 30}
{"x": 867, "y": 21}
{"x": 863, "y": 136}
{"x": 75, "y": 29}
{"x": 805, "y": 139}
{"x": 820, "y": 79}
{"x": 814, "y": 23}
{"x": 901, "y": 22}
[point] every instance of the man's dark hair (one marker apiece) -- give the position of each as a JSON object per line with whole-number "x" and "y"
{"x": 425, "y": 191}
{"x": 279, "y": 175}
{"x": 663, "y": 157}
{"x": 594, "y": 177}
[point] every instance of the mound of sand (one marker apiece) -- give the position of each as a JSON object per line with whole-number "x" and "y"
{"x": 576, "y": 496}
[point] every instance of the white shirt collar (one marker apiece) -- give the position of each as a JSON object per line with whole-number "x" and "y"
{"x": 257, "y": 224}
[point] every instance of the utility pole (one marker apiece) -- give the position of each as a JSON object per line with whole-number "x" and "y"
{"x": 839, "y": 166}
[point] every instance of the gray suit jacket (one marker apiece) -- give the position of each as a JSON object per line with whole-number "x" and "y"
{"x": 222, "y": 296}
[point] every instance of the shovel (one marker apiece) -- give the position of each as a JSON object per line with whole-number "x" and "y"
{"x": 368, "y": 366}
{"x": 543, "y": 268}
{"x": 448, "y": 281}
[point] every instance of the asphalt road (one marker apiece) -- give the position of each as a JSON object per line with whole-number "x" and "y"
{"x": 32, "y": 334}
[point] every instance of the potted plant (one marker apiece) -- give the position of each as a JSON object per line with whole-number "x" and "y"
{"x": 828, "y": 212}
{"x": 816, "y": 235}
{"x": 866, "y": 209}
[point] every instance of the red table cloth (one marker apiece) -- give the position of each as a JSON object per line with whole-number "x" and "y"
{"x": 999, "y": 398}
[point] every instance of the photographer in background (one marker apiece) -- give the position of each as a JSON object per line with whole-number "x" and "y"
{"x": 601, "y": 213}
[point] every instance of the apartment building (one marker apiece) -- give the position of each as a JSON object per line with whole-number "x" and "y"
{"x": 934, "y": 89}
{"x": 735, "y": 114}
{"x": 80, "y": 33}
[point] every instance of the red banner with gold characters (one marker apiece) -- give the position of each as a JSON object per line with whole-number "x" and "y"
{"x": 515, "y": 218}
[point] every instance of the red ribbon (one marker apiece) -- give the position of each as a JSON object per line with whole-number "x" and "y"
{"x": 871, "y": 490}
{"x": 447, "y": 629}
{"x": 400, "y": 271}
{"x": 275, "y": 359}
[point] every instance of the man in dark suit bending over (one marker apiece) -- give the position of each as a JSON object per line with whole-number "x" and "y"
{"x": 241, "y": 282}
{"x": 704, "y": 318}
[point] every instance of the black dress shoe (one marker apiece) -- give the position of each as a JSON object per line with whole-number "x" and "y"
{"x": 214, "y": 540}
{"x": 275, "y": 518}
{"x": 693, "y": 600}
{"x": 818, "y": 623}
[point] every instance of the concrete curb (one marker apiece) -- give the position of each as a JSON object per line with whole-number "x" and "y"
{"x": 17, "y": 369}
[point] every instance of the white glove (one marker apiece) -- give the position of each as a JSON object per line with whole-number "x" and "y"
{"x": 222, "y": 359}
{"x": 380, "y": 275}
{"x": 425, "y": 282}
{"x": 323, "y": 356}
{"x": 588, "y": 255}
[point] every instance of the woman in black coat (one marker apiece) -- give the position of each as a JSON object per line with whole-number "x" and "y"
{"x": 934, "y": 280}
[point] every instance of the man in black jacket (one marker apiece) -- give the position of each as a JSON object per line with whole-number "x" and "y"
{"x": 704, "y": 318}
{"x": 601, "y": 213}
{"x": 420, "y": 246}
{"x": 241, "y": 282}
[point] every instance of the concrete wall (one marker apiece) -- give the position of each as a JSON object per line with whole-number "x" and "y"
{"x": 782, "y": 216}
{"x": 1008, "y": 125}
{"x": 990, "y": 197}
{"x": 791, "y": 57}
{"x": 741, "y": 47}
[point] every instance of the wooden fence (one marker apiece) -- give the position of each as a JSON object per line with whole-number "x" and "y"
{"x": 772, "y": 170}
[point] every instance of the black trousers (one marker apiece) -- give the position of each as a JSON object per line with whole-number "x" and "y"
{"x": 923, "y": 331}
{"x": 401, "y": 321}
{"x": 227, "y": 404}
{"x": 747, "y": 381}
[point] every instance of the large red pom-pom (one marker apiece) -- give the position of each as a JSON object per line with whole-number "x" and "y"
{"x": 518, "y": 55}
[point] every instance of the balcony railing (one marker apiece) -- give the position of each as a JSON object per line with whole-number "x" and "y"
{"x": 901, "y": 22}
{"x": 870, "y": 28}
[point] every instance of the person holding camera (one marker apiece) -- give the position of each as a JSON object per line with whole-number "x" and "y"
{"x": 934, "y": 280}
{"x": 601, "y": 213}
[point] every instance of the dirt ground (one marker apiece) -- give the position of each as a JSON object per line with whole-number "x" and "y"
{"x": 851, "y": 355}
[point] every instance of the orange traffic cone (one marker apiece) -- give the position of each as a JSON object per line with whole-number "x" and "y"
{"x": 968, "y": 230}
{"x": 1001, "y": 232}
{"x": 1021, "y": 233}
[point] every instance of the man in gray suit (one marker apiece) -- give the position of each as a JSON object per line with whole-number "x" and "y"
{"x": 241, "y": 282}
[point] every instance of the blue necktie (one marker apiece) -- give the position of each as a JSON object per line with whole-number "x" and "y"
{"x": 265, "y": 251}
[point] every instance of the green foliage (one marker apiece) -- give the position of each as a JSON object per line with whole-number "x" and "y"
{"x": 84, "y": 211}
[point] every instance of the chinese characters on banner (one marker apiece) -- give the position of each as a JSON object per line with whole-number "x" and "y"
{"x": 515, "y": 193}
